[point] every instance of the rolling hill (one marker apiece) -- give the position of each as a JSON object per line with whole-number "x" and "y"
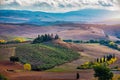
{"x": 45, "y": 56}
{"x": 79, "y": 31}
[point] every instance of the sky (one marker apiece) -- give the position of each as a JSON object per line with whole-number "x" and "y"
{"x": 112, "y": 7}
{"x": 59, "y": 6}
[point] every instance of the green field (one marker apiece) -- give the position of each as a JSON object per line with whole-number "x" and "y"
{"x": 45, "y": 56}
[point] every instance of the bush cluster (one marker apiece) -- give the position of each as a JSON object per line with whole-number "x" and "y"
{"x": 110, "y": 44}
{"x": 15, "y": 40}
{"x": 81, "y": 41}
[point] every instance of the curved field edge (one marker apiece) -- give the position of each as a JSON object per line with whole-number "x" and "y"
{"x": 45, "y": 56}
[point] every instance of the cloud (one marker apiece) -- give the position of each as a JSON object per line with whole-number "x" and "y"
{"x": 59, "y": 5}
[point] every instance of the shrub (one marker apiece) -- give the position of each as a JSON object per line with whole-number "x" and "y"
{"x": 19, "y": 40}
{"x": 115, "y": 67}
{"x": 87, "y": 65}
{"x": 68, "y": 40}
{"x": 112, "y": 43}
{"x": 2, "y": 41}
{"x": 14, "y": 59}
{"x": 118, "y": 78}
{"x": 103, "y": 73}
{"x": 3, "y": 77}
{"x": 27, "y": 67}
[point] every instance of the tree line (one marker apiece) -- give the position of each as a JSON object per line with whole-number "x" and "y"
{"x": 106, "y": 58}
{"x": 45, "y": 38}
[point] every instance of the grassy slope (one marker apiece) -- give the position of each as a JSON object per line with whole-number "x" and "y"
{"x": 44, "y": 56}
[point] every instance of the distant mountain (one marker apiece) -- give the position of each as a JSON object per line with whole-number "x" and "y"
{"x": 44, "y": 18}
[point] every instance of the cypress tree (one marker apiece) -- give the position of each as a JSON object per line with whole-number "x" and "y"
{"x": 56, "y": 36}
{"x": 100, "y": 60}
{"x": 97, "y": 60}
{"x": 104, "y": 59}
